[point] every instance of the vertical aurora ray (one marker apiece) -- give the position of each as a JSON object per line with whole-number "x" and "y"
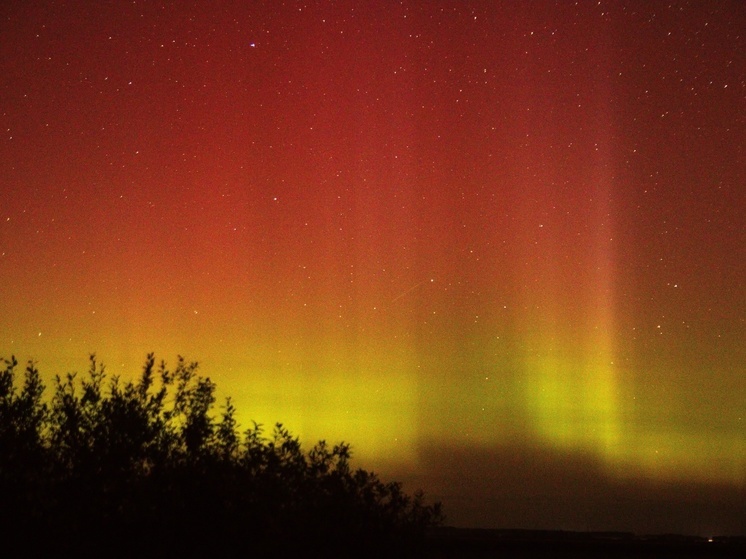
{"x": 572, "y": 392}
{"x": 571, "y": 389}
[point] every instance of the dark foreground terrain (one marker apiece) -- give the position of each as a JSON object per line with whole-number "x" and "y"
{"x": 446, "y": 542}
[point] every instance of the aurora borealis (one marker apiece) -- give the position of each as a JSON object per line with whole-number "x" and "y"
{"x": 450, "y": 233}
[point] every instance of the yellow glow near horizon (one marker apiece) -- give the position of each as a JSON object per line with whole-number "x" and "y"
{"x": 573, "y": 406}
{"x": 375, "y": 414}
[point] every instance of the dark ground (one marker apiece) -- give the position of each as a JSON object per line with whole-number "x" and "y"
{"x": 467, "y": 543}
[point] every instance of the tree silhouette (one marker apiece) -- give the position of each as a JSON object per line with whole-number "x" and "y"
{"x": 145, "y": 467}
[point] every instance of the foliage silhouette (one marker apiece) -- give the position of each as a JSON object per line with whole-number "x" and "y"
{"x": 112, "y": 468}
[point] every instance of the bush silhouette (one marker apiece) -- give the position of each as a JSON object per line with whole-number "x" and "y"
{"x": 145, "y": 468}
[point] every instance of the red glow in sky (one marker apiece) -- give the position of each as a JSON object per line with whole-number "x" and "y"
{"x": 493, "y": 245}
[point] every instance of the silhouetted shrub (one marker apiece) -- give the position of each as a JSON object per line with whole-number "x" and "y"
{"x": 144, "y": 468}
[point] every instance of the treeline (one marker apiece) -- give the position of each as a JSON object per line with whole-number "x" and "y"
{"x": 151, "y": 467}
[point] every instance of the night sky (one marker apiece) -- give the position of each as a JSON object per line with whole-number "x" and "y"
{"x": 498, "y": 247}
